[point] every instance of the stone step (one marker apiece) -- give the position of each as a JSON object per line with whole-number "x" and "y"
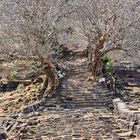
{"x": 83, "y": 89}
{"x": 70, "y": 86}
{"x": 69, "y": 90}
{"x": 77, "y": 72}
{"x": 86, "y": 101}
{"x": 89, "y": 102}
{"x": 88, "y": 94}
{"x": 85, "y": 105}
{"x": 78, "y": 90}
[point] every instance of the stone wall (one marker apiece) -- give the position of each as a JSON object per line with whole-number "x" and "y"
{"x": 126, "y": 118}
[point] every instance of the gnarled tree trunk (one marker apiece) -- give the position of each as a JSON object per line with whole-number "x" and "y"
{"x": 97, "y": 52}
{"x": 95, "y": 63}
{"x": 51, "y": 79}
{"x": 50, "y": 71}
{"x": 96, "y": 67}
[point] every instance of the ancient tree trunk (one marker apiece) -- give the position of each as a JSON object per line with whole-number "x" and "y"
{"x": 95, "y": 53}
{"x": 96, "y": 62}
{"x": 96, "y": 67}
{"x": 51, "y": 80}
{"x": 45, "y": 85}
{"x": 89, "y": 50}
{"x": 49, "y": 70}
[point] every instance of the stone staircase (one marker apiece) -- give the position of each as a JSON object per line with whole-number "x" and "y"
{"x": 77, "y": 111}
{"x": 76, "y": 91}
{"x": 66, "y": 124}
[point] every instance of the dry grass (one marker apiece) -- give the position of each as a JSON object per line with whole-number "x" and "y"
{"x": 15, "y": 100}
{"x": 135, "y": 90}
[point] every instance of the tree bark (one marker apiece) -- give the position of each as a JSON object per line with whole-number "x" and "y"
{"x": 51, "y": 80}
{"x": 96, "y": 62}
{"x": 96, "y": 66}
{"x": 90, "y": 51}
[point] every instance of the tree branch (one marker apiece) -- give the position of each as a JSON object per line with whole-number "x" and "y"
{"x": 111, "y": 49}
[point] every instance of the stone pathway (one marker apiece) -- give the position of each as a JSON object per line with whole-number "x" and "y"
{"x": 76, "y": 91}
{"x": 78, "y": 111}
{"x": 68, "y": 124}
